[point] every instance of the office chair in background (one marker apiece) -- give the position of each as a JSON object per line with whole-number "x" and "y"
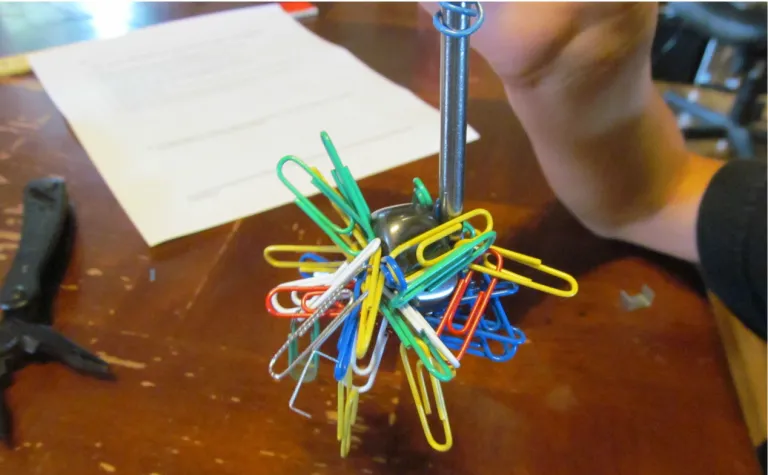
{"x": 741, "y": 29}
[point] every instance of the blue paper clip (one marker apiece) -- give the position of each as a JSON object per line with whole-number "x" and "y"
{"x": 492, "y": 324}
{"x": 393, "y": 274}
{"x": 481, "y": 341}
{"x": 347, "y": 338}
{"x": 502, "y": 289}
{"x": 479, "y": 346}
{"x": 310, "y": 257}
{"x": 515, "y": 337}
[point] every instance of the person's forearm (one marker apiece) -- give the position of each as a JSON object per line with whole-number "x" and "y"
{"x": 614, "y": 156}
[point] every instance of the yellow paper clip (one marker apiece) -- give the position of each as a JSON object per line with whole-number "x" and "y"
{"x": 447, "y": 228}
{"x": 504, "y": 274}
{"x": 421, "y": 400}
{"x": 307, "y": 266}
{"x": 433, "y": 235}
{"x": 346, "y": 407}
{"x": 374, "y": 285}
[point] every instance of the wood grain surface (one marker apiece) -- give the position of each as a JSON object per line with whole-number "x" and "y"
{"x": 596, "y": 390}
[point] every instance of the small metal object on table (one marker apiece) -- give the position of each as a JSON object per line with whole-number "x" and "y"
{"x": 642, "y": 300}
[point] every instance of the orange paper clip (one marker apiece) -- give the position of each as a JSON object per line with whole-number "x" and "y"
{"x": 477, "y": 311}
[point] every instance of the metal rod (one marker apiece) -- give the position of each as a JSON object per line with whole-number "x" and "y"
{"x": 454, "y": 67}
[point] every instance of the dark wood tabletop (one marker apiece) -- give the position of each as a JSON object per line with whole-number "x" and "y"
{"x": 595, "y": 390}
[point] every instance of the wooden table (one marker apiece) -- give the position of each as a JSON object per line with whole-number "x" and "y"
{"x": 597, "y": 390}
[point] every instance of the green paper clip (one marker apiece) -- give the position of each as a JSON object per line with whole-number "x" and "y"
{"x": 451, "y": 264}
{"x": 421, "y": 195}
{"x": 348, "y": 187}
{"x": 442, "y": 371}
{"x": 293, "y": 353}
{"x": 332, "y": 230}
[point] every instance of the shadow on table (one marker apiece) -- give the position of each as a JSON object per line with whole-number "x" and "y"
{"x": 558, "y": 239}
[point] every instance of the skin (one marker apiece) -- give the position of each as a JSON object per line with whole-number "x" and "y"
{"x": 578, "y": 76}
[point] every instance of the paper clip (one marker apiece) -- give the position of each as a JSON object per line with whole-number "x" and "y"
{"x": 421, "y": 194}
{"x": 440, "y": 303}
{"x": 348, "y": 400}
{"x": 316, "y": 259}
{"x": 317, "y": 278}
{"x": 304, "y": 327}
{"x": 421, "y": 327}
{"x": 489, "y": 268}
{"x": 509, "y": 343}
{"x": 480, "y": 345}
{"x": 502, "y": 289}
{"x": 436, "y": 366}
{"x": 482, "y": 339}
{"x": 357, "y": 240}
{"x": 494, "y": 326}
{"x": 372, "y": 368}
{"x": 308, "y": 303}
{"x": 452, "y": 226}
{"x": 312, "y": 361}
{"x": 348, "y": 313}
{"x": 374, "y": 283}
{"x": 316, "y": 354}
{"x": 421, "y": 400}
{"x": 347, "y": 339}
{"x": 340, "y": 279}
{"x": 303, "y": 309}
{"x": 332, "y": 230}
{"x": 449, "y": 266}
{"x": 313, "y": 284}
{"x": 478, "y": 308}
{"x": 305, "y": 265}
{"x": 348, "y": 187}
{"x": 515, "y": 337}
{"x": 393, "y": 275}
{"x": 293, "y": 352}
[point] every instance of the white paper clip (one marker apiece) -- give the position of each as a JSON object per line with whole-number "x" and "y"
{"x": 372, "y": 369}
{"x": 422, "y": 327}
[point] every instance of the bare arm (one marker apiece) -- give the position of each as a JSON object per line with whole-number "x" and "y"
{"x": 616, "y": 159}
{"x": 578, "y": 77}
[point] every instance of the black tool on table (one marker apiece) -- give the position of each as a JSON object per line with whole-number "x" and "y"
{"x": 26, "y": 297}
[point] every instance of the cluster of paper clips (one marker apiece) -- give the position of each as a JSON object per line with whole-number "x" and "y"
{"x": 438, "y": 292}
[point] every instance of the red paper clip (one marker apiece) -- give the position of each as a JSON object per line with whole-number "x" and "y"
{"x": 306, "y": 307}
{"x": 278, "y": 310}
{"x": 477, "y": 311}
{"x": 305, "y": 310}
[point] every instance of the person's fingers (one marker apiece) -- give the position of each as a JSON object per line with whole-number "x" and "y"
{"x": 518, "y": 38}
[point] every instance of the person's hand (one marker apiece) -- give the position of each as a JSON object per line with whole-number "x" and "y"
{"x": 578, "y": 76}
{"x": 570, "y": 44}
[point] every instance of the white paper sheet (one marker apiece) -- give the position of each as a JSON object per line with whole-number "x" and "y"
{"x": 186, "y": 120}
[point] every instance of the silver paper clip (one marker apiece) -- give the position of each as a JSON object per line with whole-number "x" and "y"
{"x": 313, "y": 348}
{"x": 323, "y": 303}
